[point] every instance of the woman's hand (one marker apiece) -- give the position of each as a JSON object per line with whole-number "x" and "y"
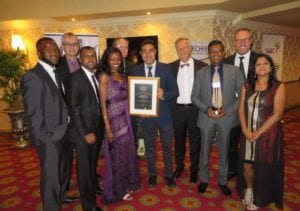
{"x": 109, "y": 134}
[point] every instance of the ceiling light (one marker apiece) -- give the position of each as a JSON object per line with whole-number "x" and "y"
{"x": 148, "y": 13}
{"x": 73, "y": 19}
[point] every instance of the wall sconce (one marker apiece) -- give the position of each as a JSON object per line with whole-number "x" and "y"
{"x": 17, "y": 42}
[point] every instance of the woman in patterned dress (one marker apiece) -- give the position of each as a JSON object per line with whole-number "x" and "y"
{"x": 121, "y": 172}
{"x": 261, "y": 106}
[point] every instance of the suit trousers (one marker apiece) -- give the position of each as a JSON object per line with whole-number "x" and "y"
{"x": 52, "y": 163}
{"x": 185, "y": 122}
{"x": 86, "y": 158}
{"x": 166, "y": 137}
{"x": 235, "y": 134}
{"x": 223, "y": 145}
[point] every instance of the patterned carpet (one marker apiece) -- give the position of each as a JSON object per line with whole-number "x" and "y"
{"x": 19, "y": 181}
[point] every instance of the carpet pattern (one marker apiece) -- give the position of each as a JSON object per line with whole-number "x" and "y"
{"x": 19, "y": 181}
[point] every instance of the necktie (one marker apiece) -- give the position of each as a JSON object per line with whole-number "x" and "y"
{"x": 149, "y": 71}
{"x": 217, "y": 90}
{"x": 242, "y": 66}
{"x": 58, "y": 82}
{"x": 185, "y": 64}
{"x": 96, "y": 87}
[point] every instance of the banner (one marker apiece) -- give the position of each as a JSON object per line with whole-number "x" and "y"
{"x": 273, "y": 46}
{"x": 200, "y": 50}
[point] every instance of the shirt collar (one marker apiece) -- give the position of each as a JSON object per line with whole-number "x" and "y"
{"x": 46, "y": 66}
{"x": 87, "y": 72}
{"x": 246, "y": 55}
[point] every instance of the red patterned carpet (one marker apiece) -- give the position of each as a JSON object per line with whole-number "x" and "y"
{"x": 19, "y": 182}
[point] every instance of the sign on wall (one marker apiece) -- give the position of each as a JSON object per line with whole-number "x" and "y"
{"x": 273, "y": 46}
{"x": 84, "y": 40}
{"x": 200, "y": 50}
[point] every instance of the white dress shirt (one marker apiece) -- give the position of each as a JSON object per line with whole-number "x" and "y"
{"x": 245, "y": 61}
{"x": 185, "y": 81}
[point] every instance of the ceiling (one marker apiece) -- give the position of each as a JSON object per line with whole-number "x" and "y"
{"x": 280, "y": 12}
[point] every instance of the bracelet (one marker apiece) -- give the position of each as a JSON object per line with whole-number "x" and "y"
{"x": 105, "y": 117}
{"x": 260, "y": 130}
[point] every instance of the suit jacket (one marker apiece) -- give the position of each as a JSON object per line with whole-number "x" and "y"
{"x": 168, "y": 84}
{"x": 251, "y": 68}
{"x": 175, "y": 67}
{"x": 45, "y": 107}
{"x": 201, "y": 96}
{"x": 64, "y": 69}
{"x": 83, "y": 107}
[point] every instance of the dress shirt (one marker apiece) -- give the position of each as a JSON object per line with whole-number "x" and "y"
{"x": 185, "y": 81}
{"x": 89, "y": 76}
{"x": 245, "y": 61}
{"x": 73, "y": 64}
{"x": 49, "y": 69}
{"x": 152, "y": 70}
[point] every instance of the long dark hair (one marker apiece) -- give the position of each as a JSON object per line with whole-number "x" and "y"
{"x": 103, "y": 65}
{"x": 272, "y": 74}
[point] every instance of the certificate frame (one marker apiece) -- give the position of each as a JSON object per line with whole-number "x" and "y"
{"x": 143, "y": 100}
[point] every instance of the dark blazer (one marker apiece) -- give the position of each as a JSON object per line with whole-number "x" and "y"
{"x": 168, "y": 84}
{"x": 45, "y": 107}
{"x": 251, "y": 69}
{"x": 83, "y": 107}
{"x": 64, "y": 68}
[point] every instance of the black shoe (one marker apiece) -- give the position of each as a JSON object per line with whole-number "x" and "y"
{"x": 170, "y": 182}
{"x": 225, "y": 190}
{"x": 202, "y": 187}
{"x": 152, "y": 181}
{"x": 99, "y": 191}
{"x": 177, "y": 173}
{"x": 70, "y": 199}
{"x": 193, "y": 177}
{"x": 231, "y": 175}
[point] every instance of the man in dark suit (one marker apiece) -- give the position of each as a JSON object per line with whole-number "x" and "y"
{"x": 123, "y": 45}
{"x": 167, "y": 91}
{"x": 68, "y": 64}
{"x": 244, "y": 59}
{"x": 215, "y": 93}
{"x": 86, "y": 126}
{"x": 47, "y": 116}
{"x": 184, "y": 112}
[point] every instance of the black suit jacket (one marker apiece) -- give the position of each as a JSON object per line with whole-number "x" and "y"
{"x": 64, "y": 69}
{"x": 45, "y": 107}
{"x": 251, "y": 69}
{"x": 83, "y": 107}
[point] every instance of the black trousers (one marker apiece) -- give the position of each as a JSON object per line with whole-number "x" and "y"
{"x": 233, "y": 149}
{"x": 185, "y": 123}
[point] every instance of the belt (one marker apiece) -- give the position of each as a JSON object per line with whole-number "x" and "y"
{"x": 185, "y": 105}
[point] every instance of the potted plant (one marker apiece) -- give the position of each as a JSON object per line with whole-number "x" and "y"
{"x": 12, "y": 68}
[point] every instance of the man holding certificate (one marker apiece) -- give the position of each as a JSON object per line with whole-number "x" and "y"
{"x": 163, "y": 122}
{"x": 215, "y": 93}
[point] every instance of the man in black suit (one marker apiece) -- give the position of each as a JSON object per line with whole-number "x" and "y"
{"x": 244, "y": 59}
{"x": 184, "y": 112}
{"x": 123, "y": 45}
{"x": 166, "y": 93}
{"x": 86, "y": 126}
{"x": 68, "y": 64}
{"x": 47, "y": 116}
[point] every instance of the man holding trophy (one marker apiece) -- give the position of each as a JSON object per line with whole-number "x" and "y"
{"x": 215, "y": 93}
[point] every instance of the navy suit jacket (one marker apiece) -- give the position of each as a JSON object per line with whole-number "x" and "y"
{"x": 168, "y": 84}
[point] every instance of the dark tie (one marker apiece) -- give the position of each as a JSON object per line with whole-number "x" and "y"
{"x": 149, "y": 71}
{"x": 96, "y": 87}
{"x": 242, "y": 66}
{"x": 185, "y": 64}
{"x": 58, "y": 82}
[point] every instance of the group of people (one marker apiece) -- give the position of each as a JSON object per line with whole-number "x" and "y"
{"x": 76, "y": 105}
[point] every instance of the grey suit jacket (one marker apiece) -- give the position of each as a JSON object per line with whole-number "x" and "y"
{"x": 202, "y": 94}
{"x": 45, "y": 107}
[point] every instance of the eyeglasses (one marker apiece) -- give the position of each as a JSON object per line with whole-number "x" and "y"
{"x": 71, "y": 44}
{"x": 245, "y": 40}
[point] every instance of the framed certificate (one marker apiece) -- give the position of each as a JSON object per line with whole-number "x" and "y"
{"x": 143, "y": 99}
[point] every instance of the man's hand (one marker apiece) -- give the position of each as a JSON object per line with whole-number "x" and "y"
{"x": 90, "y": 138}
{"x": 211, "y": 113}
{"x": 160, "y": 93}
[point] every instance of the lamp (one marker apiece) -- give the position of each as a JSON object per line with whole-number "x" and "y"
{"x": 17, "y": 42}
